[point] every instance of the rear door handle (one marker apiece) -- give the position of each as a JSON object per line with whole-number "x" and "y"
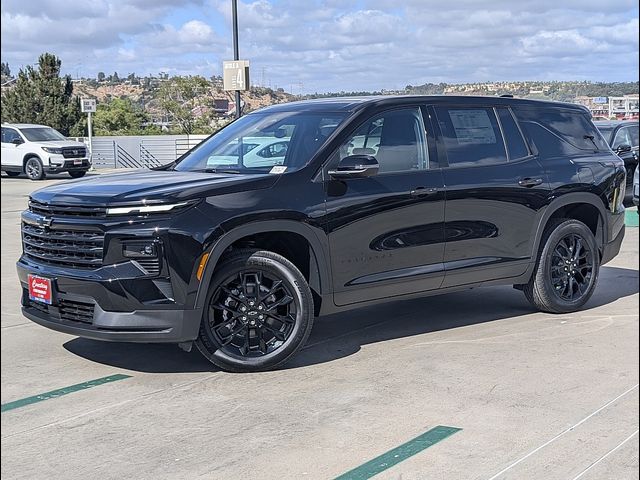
{"x": 423, "y": 191}
{"x": 529, "y": 182}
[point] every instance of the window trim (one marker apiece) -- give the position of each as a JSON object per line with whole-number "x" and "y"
{"x": 504, "y": 137}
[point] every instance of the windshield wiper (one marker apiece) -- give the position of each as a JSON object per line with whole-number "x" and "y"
{"x": 218, "y": 170}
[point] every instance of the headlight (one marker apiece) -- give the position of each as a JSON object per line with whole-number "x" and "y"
{"x": 146, "y": 208}
{"x": 52, "y": 150}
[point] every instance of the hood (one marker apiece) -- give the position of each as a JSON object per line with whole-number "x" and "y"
{"x": 60, "y": 144}
{"x": 134, "y": 187}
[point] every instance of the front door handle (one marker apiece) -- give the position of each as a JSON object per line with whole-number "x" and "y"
{"x": 423, "y": 191}
{"x": 529, "y": 182}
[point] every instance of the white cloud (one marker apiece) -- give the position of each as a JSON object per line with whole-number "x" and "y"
{"x": 335, "y": 44}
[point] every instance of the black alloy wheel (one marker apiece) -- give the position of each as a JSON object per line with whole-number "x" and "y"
{"x": 566, "y": 271}
{"x": 34, "y": 169}
{"x": 571, "y": 267}
{"x": 251, "y": 314}
{"x": 259, "y": 312}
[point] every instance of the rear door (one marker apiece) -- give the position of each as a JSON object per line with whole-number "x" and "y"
{"x": 494, "y": 190}
{"x": 386, "y": 232}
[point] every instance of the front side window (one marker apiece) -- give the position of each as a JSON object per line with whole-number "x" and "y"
{"x": 471, "y": 136}
{"x": 259, "y": 141}
{"x": 396, "y": 139}
{"x": 42, "y": 134}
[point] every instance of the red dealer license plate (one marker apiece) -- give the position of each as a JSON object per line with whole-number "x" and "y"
{"x": 40, "y": 289}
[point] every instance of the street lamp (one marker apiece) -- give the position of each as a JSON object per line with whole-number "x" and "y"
{"x": 236, "y": 54}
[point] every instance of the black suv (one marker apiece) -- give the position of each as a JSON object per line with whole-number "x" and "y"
{"x": 622, "y": 136}
{"x": 308, "y": 208}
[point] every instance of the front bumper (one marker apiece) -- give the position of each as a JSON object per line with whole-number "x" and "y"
{"x": 611, "y": 249}
{"x": 76, "y": 309}
{"x": 67, "y": 165}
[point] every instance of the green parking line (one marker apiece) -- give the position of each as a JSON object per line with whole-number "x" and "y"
{"x": 398, "y": 454}
{"x": 62, "y": 391}
{"x": 631, "y": 217}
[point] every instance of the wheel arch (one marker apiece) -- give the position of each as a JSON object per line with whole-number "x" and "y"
{"x": 317, "y": 273}
{"x": 26, "y": 158}
{"x": 585, "y": 207}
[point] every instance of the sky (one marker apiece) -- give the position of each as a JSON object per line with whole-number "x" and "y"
{"x": 307, "y": 46}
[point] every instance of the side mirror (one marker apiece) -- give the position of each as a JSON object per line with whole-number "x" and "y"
{"x": 356, "y": 166}
{"x": 17, "y": 141}
{"x": 623, "y": 148}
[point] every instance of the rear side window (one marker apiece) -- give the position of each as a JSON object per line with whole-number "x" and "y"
{"x": 471, "y": 136}
{"x": 516, "y": 145}
{"x": 571, "y": 127}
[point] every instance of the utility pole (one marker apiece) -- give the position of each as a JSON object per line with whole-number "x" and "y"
{"x": 236, "y": 54}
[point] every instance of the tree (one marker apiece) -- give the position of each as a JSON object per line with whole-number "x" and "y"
{"x": 42, "y": 96}
{"x": 185, "y": 100}
{"x": 101, "y": 76}
{"x": 5, "y": 70}
{"x": 121, "y": 116}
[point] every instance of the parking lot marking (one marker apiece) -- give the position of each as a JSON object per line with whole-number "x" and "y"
{"x": 398, "y": 454}
{"x": 605, "y": 455}
{"x": 565, "y": 431}
{"x": 62, "y": 391}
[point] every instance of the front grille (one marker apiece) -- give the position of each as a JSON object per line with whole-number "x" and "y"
{"x": 66, "y": 211}
{"x": 69, "y": 248}
{"x": 68, "y": 310}
{"x": 74, "y": 152}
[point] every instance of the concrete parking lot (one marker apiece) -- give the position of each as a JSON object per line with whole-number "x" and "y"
{"x": 528, "y": 395}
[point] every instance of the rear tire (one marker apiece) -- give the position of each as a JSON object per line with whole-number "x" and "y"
{"x": 77, "y": 174}
{"x": 34, "y": 169}
{"x": 258, "y": 313}
{"x": 567, "y": 268}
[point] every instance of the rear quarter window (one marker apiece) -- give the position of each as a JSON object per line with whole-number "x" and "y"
{"x": 559, "y": 131}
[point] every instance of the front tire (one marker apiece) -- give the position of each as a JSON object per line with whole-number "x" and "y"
{"x": 77, "y": 174}
{"x": 567, "y": 268}
{"x": 259, "y": 312}
{"x": 34, "y": 169}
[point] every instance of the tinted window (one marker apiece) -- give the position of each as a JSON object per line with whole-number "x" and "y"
{"x": 516, "y": 145}
{"x": 9, "y": 134}
{"x": 396, "y": 139}
{"x": 471, "y": 136}
{"x": 633, "y": 135}
{"x": 572, "y": 127}
{"x": 623, "y": 137}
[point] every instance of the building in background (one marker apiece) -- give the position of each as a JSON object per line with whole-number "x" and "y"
{"x": 614, "y": 108}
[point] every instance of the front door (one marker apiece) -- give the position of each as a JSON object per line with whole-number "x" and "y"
{"x": 386, "y": 232}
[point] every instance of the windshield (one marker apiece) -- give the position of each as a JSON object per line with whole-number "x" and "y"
{"x": 42, "y": 134}
{"x": 258, "y": 142}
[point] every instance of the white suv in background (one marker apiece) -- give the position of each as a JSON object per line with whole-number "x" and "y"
{"x": 37, "y": 150}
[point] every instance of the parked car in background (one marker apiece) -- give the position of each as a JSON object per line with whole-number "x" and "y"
{"x": 622, "y": 136}
{"x": 37, "y": 150}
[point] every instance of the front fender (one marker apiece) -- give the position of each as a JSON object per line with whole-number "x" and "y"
{"x": 319, "y": 251}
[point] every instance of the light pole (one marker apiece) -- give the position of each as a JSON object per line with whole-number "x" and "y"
{"x": 236, "y": 54}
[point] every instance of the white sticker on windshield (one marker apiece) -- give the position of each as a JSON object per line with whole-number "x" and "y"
{"x": 278, "y": 169}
